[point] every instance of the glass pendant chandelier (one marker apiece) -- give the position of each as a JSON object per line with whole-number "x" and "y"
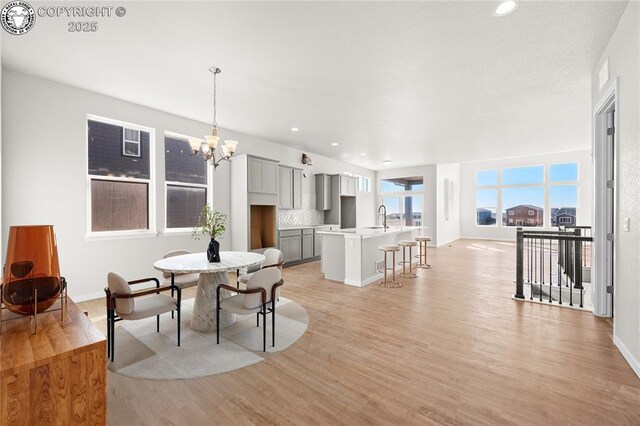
{"x": 208, "y": 147}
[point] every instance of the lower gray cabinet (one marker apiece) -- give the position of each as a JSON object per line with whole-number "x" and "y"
{"x": 291, "y": 248}
{"x": 307, "y": 246}
{"x": 317, "y": 245}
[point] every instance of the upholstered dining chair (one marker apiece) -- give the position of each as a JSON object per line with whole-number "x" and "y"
{"x": 259, "y": 297}
{"x": 273, "y": 259}
{"x": 179, "y": 280}
{"x": 124, "y": 304}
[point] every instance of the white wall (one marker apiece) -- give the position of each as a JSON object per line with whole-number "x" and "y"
{"x": 623, "y": 52}
{"x": 448, "y": 230}
{"x": 469, "y": 229}
{"x": 44, "y": 176}
{"x": 428, "y": 173}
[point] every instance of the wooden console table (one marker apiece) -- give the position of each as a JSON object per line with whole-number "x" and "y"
{"x": 57, "y": 376}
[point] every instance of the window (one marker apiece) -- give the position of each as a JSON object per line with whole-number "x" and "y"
{"x": 119, "y": 176}
{"x": 186, "y": 182}
{"x": 523, "y": 196}
{"x": 486, "y": 197}
{"x": 526, "y": 197}
{"x": 563, "y": 194}
{"x": 404, "y": 210}
{"x": 131, "y": 142}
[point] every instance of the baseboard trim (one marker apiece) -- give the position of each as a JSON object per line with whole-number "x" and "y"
{"x": 447, "y": 242}
{"x": 511, "y": 240}
{"x": 626, "y": 353}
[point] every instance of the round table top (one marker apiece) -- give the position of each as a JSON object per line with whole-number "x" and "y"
{"x": 198, "y": 263}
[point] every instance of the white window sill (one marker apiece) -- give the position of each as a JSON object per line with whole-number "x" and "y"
{"x": 119, "y": 235}
{"x": 178, "y": 232}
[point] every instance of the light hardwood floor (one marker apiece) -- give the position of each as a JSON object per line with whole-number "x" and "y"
{"x": 450, "y": 347}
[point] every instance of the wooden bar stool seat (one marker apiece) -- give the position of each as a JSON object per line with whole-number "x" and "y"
{"x": 422, "y": 256}
{"x": 407, "y": 244}
{"x": 391, "y": 248}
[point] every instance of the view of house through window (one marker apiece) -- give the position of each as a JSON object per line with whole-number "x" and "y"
{"x": 522, "y": 191}
{"x": 186, "y": 182}
{"x": 119, "y": 175}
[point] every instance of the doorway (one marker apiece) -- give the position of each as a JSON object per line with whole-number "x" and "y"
{"x": 605, "y": 213}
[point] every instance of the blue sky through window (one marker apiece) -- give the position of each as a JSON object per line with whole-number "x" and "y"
{"x": 563, "y": 172}
{"x": 487, "y": 178}
{"x": 564, "y": 196}
{"x": 487, "y": 198}
{"x": 523, "y": 175}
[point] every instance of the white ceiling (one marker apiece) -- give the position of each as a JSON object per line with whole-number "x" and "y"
{"x": 414, "y": 82}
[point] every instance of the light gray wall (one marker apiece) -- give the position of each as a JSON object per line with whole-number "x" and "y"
{"x": 469, "y": 229}
{"x": 44, "y": 176}
{"x": 623, "y": 52}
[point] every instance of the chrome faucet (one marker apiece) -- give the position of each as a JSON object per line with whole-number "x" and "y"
{"x": 384, "y": 215}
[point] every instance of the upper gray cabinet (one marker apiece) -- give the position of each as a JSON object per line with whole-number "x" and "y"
{"x": 323, "y": 192}
{"x": 290, "y": 194}
{"x": 297, "y": 188}
{"x": 347, "y": 185}
{"x": 262, "y": 176}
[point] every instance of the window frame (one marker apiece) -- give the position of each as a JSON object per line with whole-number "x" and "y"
{"x": 209, "y": 199}
{"x": 546, "y": 186}
{"x": 151, "y": 201}
{"x": 402, "y": 194}
{"x": 559, "y": 183}
{"x": 546, "y": 210}
{"x": 495, "y": 187}
{"x": 125, "y": 141}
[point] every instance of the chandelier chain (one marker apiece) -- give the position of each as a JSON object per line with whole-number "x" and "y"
{"x": 214, "y": 100}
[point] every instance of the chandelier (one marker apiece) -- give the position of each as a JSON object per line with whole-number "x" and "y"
{"x": 208, "y": 148}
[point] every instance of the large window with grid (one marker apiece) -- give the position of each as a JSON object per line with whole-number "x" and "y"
{"x": 185, "y": 181}
{"x": 119, "y": 177}
{"x": 528, "y": 196}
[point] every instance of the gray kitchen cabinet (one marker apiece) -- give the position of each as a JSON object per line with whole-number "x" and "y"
{"x": 262, "y": 176}
{"x": 291, "y": 245}
{"x": 290, "y": 193}
{"x": 317, "y": 245}
{"x": 347, "y": 185}
{"x": 307, "y": 246}
{"x": 297, "y": 189}
{"x": 323, "y": 192}
{"x": 285, "y": 198}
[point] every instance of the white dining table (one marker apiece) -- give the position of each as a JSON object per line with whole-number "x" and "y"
{"x": 211, "y": 274}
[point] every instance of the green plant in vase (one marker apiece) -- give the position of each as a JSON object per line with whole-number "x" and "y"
{"x": 213, "y": 224}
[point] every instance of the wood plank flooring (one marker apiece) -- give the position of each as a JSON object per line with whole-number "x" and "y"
{"x": 450, "y": 347}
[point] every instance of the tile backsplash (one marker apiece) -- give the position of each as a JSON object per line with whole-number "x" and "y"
{"x": 307, "y": 215}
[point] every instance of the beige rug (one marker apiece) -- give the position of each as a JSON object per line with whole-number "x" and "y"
{"x": 145, "y": 354}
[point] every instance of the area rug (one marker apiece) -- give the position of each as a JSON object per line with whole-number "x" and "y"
{"x": 145, "y": 354}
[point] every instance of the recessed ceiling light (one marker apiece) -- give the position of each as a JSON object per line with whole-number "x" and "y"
{"x": 387, "y": 162}
{"x": 294, "y": 129}
{"x": 505, "y": 8}
{"x": 335, "y": 144}
{"x": 363, "y": 153}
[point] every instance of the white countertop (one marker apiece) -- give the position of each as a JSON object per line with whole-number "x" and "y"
{"x": 290, "y": 227}
{"x": 372, "y": 232}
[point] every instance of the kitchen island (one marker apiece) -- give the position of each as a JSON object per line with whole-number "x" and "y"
{"x": 352, "y": 256}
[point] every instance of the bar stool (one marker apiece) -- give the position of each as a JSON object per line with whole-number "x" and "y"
{"x": 386, "y": 283}
{"x": 423, "y": 252}
{"x": 404, "y": 245}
